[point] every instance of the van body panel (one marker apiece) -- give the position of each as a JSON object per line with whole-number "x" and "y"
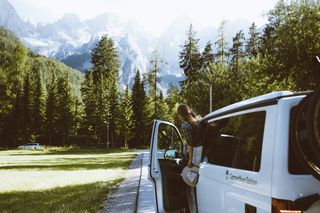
{"x": 227, "y": 189}
{"x": 218, "y": 191}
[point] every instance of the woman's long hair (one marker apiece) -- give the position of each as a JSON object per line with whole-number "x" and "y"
{"x": 184, "y": 110}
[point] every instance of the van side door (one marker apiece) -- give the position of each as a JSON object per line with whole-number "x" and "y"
{"x": 166, "y": 164}
{"x": 237, "y": 176}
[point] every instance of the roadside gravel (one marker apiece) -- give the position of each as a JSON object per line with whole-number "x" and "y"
{"x": 124, "y": 199}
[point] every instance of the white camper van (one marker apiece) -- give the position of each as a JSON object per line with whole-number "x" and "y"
{"x": 266, "y": 159}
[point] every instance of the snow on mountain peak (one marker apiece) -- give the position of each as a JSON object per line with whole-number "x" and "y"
{"x": 71, "y": 40}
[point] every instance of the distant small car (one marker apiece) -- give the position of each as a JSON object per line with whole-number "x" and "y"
{"x": 30, "y": 146}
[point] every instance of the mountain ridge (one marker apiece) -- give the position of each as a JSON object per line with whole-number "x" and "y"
{"x": 70, "y": 40}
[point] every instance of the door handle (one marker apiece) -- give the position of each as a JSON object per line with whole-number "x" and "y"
{"x": 155, "y": 172}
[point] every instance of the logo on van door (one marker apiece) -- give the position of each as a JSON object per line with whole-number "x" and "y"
{"x": 239, "y": 178}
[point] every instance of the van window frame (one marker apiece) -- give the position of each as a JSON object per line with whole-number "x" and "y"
{"x": 238, "y": 146}
{"x": 295, "y": 167}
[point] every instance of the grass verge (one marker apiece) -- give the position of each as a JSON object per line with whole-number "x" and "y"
{"x": 59, "y": 179}
{"x": 78, "y": 198}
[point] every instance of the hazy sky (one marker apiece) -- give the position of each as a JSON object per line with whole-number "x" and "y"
{"x": 153, "y": 15}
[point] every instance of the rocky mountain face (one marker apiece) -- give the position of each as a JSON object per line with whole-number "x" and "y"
{"x": 71, "y": 39}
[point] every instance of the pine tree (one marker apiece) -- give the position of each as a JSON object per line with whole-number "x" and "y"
{"x": 127, "y": 124}
{"x": 65, "y": 115}
{"x": 114, "y": 113}
{"x": 153, "y": 80}
{"x": 78, "y": 116}
{"x": 163, "y": 109}
{"x": 207, "y": 56}
{"x": 14, "y": 125}
{"x": 221, "y": 44}
{"x": 252, "y": 44}
{"x": 173, "y": 99}
{"x": 51, "y": 111}
{"x": 15, "y": 68}
{"x": 138, "y": 108}
{"x": 88, "y": 97}
{"x": 105, "y": 75}
{"x": 26, "y": 107}
{"x": 236, "y": 51}
{"x": 5, "y": 103}
{"x": 190, "y": 61}
{"x": 18, "y": 63}
{"x": 38, "y": 103}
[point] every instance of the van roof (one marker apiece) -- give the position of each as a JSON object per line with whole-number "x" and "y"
{"x": 262, "y": 100}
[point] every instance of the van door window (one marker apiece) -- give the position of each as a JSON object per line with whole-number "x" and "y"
{"x": 168, "y": 138}
{"x": 240, "y": 143}
{"x": 295, "y": 165}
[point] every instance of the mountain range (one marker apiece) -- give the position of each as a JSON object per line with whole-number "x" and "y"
{"x": 71, "y": 39}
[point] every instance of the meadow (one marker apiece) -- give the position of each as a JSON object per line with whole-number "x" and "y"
{"x": 59, "y": 179}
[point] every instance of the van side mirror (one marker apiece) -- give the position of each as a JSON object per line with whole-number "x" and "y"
{"x": 170, "y": 154}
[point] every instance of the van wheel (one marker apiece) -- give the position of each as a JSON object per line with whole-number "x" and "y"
{"x": 313, "y": 123}
{"x": 302, "y": 144}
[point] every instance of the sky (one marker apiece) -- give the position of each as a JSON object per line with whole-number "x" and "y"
{"x": 154, "y": 15}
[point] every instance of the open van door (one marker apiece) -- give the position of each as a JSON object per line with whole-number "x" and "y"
{"x": 166, "y": 164}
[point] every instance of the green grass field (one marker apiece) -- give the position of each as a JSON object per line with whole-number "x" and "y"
{"x": 59, "y": 180}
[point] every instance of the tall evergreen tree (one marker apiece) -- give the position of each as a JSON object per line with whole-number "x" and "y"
{"x": 236, "y": 51}
{"x": 221, "y": 44}
{"x": 138, "y": 108}
{"x": 114, "y": 112}
{"x": 90, "y": 109}
{"x": 126, "y": 124}
{"x": 163, "y": 109}
{"x": 15, "y": 69}
{"x": 18, "y": 63}
{"x": 207, "y": 56}
{"x": 153, "y": 80}
{"x": 77, "y": 115}
{"x": 51, "y": 111}
{"x": 26, "y": 107}
{"x": 190, "y": 61}
{"x": 38, "y": 102}
{"x": 5, "y": 102}
{"x": 173, "y": 99}
{"x": 252, "y": 44}
{"x": 105, "y": 74}
{"x": 65, "y": 115}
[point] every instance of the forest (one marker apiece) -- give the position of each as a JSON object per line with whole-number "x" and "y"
{"x": 43, "y": 100}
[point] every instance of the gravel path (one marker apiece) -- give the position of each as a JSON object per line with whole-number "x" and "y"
{"x": 124, "y": 199}
{"x": 146, "y": 196}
